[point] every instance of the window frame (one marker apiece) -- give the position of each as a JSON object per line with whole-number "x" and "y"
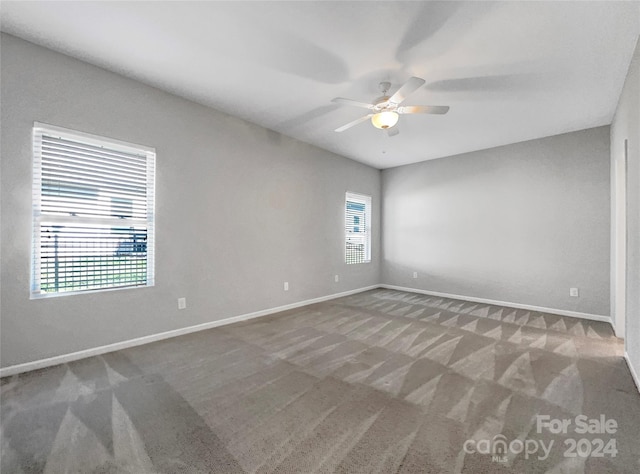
{"x": 366, "y": 200}
{"x": 39, "y": 219}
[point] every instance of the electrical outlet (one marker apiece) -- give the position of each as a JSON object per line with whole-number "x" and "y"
{"x": 182, "y": 303}
{"x": 415, "y": 274}
{"x": 574, "y": 292}
{"x": 286, "y": 286}
{"x": 336, "y": 278}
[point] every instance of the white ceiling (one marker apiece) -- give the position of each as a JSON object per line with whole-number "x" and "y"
{"x": 511, "y": 71}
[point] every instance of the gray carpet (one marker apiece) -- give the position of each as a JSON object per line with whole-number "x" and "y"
{"x": 382, "y": 381}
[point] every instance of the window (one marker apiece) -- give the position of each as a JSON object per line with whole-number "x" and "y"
{"x": 93, "y": 213}
{"x": 357, "y": 228}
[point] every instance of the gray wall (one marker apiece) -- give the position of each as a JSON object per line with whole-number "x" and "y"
{"x": 520, "y": 223}
{"x": 240, "y": 209}
{"x": 626, "y": 125}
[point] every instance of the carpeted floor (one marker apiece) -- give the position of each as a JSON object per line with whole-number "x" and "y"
{"x": 382, "y": 381}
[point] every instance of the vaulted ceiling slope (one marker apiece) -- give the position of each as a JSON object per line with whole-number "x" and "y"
{"x": 510, "y": 71}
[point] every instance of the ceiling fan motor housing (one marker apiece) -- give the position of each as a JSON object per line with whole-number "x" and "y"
{"x": 382, "y": 103}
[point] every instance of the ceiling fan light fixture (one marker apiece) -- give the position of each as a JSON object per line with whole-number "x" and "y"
{"x": 384, "y": 120}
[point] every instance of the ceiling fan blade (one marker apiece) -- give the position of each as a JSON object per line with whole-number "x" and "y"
{"x": 408, "y": 88}
{"x": 355, "y": 103}
{"x": 354, "y": 123}
{"x": 423, "y": 109}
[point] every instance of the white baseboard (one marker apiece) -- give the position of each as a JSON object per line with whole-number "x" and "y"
{"x": 561, "y": 312}
{"x": 61, "y": 359}
{"x": 634, "y": 374}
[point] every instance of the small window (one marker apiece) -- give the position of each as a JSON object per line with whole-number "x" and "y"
{"x": 93, "y": 213}
{"x": 357, "y": 228}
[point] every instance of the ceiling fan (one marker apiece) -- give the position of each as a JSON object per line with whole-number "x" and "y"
{"x": 385, "y": 110}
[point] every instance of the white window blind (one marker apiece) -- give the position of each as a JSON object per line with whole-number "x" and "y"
{"x": 357, "y": 228}
{"x": 93, "y": 213}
